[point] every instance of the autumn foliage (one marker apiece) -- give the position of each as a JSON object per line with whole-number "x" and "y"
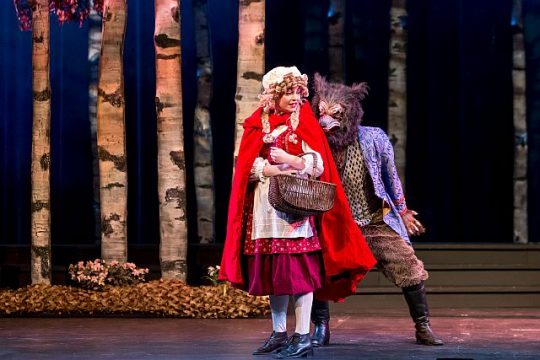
{"x": 65, "y": 10}
{"x": 162, "y": 298}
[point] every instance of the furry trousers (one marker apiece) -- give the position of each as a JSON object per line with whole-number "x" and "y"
{"x": 395, "y": 258}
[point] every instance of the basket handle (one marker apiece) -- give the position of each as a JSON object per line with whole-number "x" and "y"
{"x": 312, "y": 175}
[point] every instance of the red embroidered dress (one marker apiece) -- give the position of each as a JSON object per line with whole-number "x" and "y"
{"x": 289, "y": 141}
{"x": 282, "y": 250}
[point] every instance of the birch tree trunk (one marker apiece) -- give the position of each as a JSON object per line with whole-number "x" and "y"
{"x": 40, "y": 218}
{"x": 250, "y": 68}
{"x": 94, "y": 49}
{"x": 520, "y": 130}
{"x": 203, "y": 146}
{"x": 171, "y": 160}
{"x": 336, "y": 26}
{"x": 111, "y": 134}
{"x": 397, "y": 85}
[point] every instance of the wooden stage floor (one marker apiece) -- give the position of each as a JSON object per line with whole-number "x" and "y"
{"x": 474, "y": 334}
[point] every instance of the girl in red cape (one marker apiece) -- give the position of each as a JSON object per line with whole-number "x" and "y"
{"x": 268, "y": 252}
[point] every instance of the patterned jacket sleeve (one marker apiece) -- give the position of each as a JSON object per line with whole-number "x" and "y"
{"x": 390, "y": 176}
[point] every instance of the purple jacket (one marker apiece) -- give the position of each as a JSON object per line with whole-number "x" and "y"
{"x": 379, "y": 158}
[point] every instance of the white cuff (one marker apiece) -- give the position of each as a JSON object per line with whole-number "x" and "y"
{"x": 308, "y": 165}
{"x": 256, "y": 173}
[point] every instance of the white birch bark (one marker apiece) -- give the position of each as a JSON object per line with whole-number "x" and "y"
{"x": 40, "y": 269}
{"x": 250, "y": 68}
{"x": 397, "y": 85}
{"x": 202, "y": 144}
{"x": 111, "y": 134}
{"x": 171, "y": 159}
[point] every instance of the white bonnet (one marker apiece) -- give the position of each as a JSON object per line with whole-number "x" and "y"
{"x": 277, "y": 74}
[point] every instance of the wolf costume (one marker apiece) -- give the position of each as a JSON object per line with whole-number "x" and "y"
{"x": 365, "y": 160}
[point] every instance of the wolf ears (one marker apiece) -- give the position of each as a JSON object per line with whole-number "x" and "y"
{"x": 358, "y": 90}
{"x": 319, "y": 83}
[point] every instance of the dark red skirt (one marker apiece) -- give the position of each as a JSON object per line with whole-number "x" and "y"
{"x": 284, "y": 274}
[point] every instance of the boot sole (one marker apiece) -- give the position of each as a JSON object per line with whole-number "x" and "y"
{"x": 317, "y": 344}
{"x": 302, "y": 354}
{"x": 420, "y": 342}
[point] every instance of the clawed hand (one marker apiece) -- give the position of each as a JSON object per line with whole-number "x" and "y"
{"x": 413, "y": 226}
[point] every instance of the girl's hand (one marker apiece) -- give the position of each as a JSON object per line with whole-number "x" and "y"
{"x": 273, "y": 170}
{"x": 280, "y": 156}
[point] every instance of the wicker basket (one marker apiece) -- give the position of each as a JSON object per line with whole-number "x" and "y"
{"x": 301, "y": 196}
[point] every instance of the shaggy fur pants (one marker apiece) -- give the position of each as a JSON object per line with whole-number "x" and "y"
{"x": 395, "y": 258}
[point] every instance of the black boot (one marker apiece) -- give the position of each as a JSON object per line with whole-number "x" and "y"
{"x": 273, "y": 343}
{"x": 416, "y": 299}
{"x": 297, "y": 346}
{"x": 320, "y": 316}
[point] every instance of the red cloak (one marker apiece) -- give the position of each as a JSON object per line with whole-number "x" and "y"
{"x": 346, "y": 256}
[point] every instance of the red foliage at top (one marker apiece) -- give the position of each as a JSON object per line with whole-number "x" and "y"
{"x": 65, "y": 10}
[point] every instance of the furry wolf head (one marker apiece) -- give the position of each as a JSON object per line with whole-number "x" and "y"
{"x": 339, "y": 110}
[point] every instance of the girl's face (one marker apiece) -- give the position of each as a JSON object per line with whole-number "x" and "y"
{"x": 290, "y": 100}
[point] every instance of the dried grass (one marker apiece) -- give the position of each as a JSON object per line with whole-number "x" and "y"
{"x": 161, "y": 298}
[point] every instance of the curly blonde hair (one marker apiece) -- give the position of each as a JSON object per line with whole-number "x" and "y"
{"x": 275, "y": 90}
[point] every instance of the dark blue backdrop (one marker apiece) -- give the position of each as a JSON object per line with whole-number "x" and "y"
{"x": 460, "y": 149}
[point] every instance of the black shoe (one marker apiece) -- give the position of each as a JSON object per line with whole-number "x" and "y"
{"x": 418, "y": 308}
{"x": 273, "y": 343}
{"x": 297, "y": 346}
{"x": 320, "y": 316}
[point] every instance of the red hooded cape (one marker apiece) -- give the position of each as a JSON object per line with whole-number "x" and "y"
{"x": 346, "y": 256}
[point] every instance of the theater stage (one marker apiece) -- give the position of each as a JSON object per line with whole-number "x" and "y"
{"x": 375, "y": 334}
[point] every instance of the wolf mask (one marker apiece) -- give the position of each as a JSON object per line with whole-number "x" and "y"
{"x": 339, "y": 110}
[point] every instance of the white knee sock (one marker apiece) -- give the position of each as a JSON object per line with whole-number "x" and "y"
{"x": 302, "y": 311}
{"x": 278, "y": 306}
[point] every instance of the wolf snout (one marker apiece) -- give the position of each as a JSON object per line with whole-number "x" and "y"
{"x": 328, "y": 123}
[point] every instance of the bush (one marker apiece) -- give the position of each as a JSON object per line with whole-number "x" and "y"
{"x": 94, "y": 275}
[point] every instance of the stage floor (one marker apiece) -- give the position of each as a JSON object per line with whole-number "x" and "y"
{"x": 474, "y": 334}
